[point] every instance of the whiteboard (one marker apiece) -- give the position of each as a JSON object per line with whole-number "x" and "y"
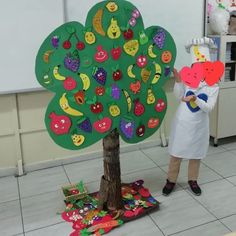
{"x": 24, "y": 24}
{"x": 184, "y": 19}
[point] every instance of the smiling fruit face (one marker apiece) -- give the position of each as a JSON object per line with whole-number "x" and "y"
{"x": 166, "y": 57}
{"x": 153, "y": 122}
{"x": 140, "y": 131}
{"x": 160, "y": 106}
{"x": 112, "y": 7}
{"x": 90, "y": 37}
{"x": 141, "y": 61}
{"x": 96, "y": 108}
{"x": 77, "y": 139}
{"x": 101, "y": 55}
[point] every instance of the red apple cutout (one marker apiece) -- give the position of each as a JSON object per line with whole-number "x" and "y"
{"x": 213, "y": 72}
{"x": 102, "y": 125}
{"x": 69, "y": 83}
{"x": 116, "y": 53}
{"x": 128, "y": 34}
{"x": 141, "y": 61}
{"x": 59, "y": 124}
{"x": 117, "y": 75}
{"x": 96, "y": 107}
{"x": 160, "y": 106}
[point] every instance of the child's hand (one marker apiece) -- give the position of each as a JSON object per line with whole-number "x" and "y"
{"x": 176, "y": 75}
{"x": 189, "y": 98}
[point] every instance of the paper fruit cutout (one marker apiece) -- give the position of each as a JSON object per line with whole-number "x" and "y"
{"x": 192, "y": 105}
{"x": 166, "y": 56}
{"x": 103, "y": 125}
{"x": 97, "y": 22}
{"x": 127, "y": 128}
{"x": 113, "y": 31}
{"x": 64, "y": 104}
{"x": 213, "y": 72}
{"x": 116, "y": 53}
{"x": 106, "y": 74}
{"x": 159, "y": 38}
{"x": 69, "y": 83}
{"x": 112, "y": 7}
{"x": 59, "y": 124}
{"x": 160, "y": 106}
{"x": 90, "y": 38}
{"x": 141, "y": 61}
{"x": 72, "y": 61}
{"x": 153, "y": 122}
{"x": 100, "y": 75}
{"x": 131, "y": 47}
{"x": 140, "y": 131}
{"x": 101, "y": 55}
{"x": 128, "y": 34}
{"x": 192, "y": 76}
{"x": 85, "y": 125}
{"x": 77, "y": 139}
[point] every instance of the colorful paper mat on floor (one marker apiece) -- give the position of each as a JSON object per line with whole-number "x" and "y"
{"x": 86, "y": 219}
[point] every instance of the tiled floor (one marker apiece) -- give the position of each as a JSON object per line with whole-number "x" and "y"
{"x": 31, "y": 205}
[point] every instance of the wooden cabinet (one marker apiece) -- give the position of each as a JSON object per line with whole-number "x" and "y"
{"x": 223, "y": 117}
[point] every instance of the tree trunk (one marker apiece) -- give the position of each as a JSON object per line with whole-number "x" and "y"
{"x": 110, "y": 186}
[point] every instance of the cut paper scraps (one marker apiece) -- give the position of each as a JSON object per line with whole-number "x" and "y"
{"x": 106, "y": 75}
{"x": 86, "y": 219}
{"x": 210, "y": 72}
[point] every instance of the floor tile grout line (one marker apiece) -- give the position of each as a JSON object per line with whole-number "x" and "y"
{"x": 21, "y": 208}
{"x": 181, "y": 231}
{"x": 63, "y": 167}
{"x": 191, "y": 195}
{"x": 156, "y": 224}
{"x": 48, "y": 226}
{"x": 149, "y": 158}
{"x": 225, "y": 178}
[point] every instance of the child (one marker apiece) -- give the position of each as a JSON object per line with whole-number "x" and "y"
{"x": 189, "y": 137}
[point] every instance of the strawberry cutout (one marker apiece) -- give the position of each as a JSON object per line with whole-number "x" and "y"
{"x": 213, "y": 71}
{"x": 192, "y": 76}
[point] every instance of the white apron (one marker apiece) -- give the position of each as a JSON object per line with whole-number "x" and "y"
{"x": 189, "y": 137}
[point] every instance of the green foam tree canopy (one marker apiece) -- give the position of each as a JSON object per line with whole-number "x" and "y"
{"x": 106, "y": 75}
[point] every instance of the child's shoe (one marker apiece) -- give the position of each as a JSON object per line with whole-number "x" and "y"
{"x": 195, "y": 187}
{"x": 168, "y": 188}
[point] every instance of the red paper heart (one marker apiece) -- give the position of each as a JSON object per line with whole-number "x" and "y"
{"x": 192, "y": 76}
{"x": 213, "y": 72}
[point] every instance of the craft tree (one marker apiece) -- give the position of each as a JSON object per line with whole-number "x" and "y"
{"x": 107, "y": 77}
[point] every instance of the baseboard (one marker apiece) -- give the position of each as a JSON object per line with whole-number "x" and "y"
{"x": 9, "y": 171}
{"x": 83, "y": 157}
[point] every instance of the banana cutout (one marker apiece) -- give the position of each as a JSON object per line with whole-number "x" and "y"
{"x": 66, "y": 107}
{"x": 56, "y": 73}
{"x": 47, "y": 55}
{"x": 130, "y": 71}
{"x": 158, "y": 72}
{"x": 85, "y": 80}
{"x": 128, "y": 99}
{"x": 150, "y": 51}
{"x": 97, "y": 22}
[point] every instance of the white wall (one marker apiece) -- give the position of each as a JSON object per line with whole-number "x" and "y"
{"x": 23, "y": 136}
